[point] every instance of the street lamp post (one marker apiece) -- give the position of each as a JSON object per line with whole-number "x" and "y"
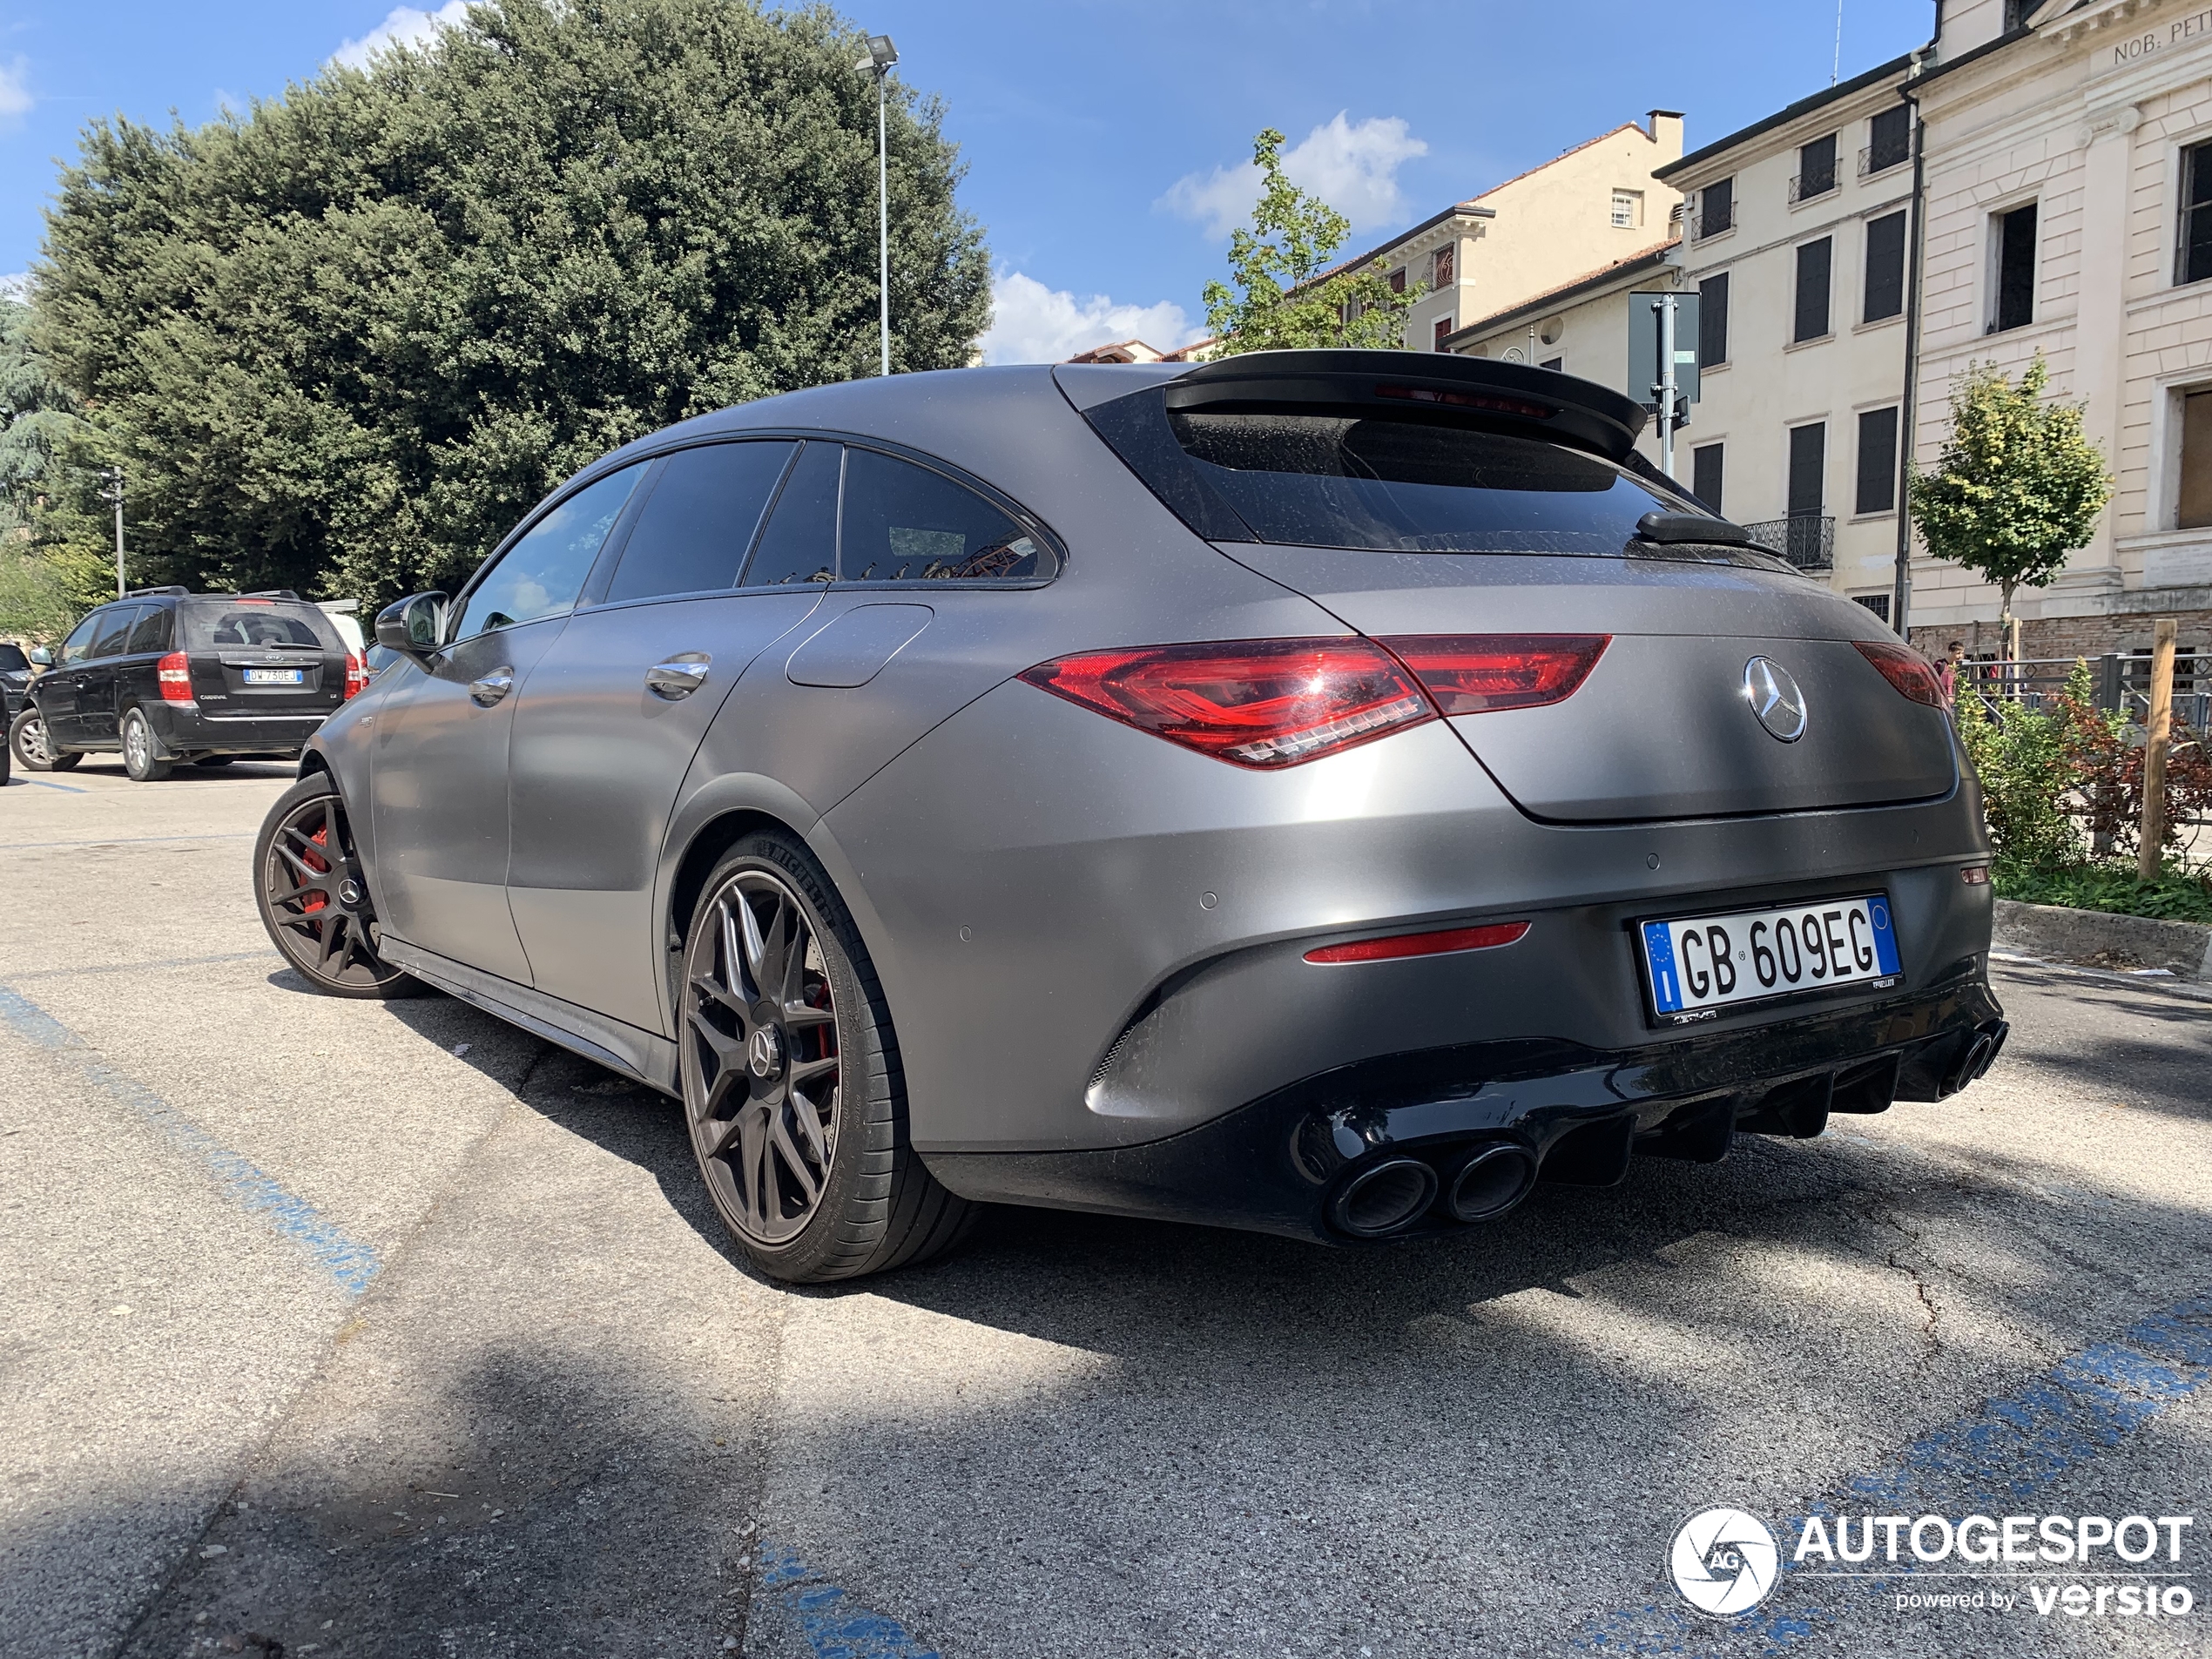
{"x": 111, "y": 489}
{"x": 881, "y": 55}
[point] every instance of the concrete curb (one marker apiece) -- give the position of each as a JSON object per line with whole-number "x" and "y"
{"x": 2063, "y": 935}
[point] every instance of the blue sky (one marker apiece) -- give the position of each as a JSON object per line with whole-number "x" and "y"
{"x": 1102, "y": 135}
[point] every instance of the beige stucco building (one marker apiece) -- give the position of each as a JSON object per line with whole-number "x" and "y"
{"x": 2067, "y": 143}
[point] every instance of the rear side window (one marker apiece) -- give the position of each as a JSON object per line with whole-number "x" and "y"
{"x": 152, "y": 631}
{"x": 902, "y": 523}
{"x": 799, "y": 544}
{"x": 692, "y": 532}
{"x": 542, "y": 573}
{"x": 13, "y": 661}
{"x": 252, "y": 624}
{"x": 114, "y": 632}
{"x": 1410, "y": 487}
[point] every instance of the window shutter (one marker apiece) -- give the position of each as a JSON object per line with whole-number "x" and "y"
{"x": 1813, "y": 260}
{"x": 1877, "y": 461}
{"x": 1712, "y": 321}
{"x": 1885, "y": 267}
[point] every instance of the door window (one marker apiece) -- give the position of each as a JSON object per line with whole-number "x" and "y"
{"x": 907, "y": 523}
{"x": 542, "y": 573}
{"x": 800, "y": 541}
{"x": 78, "y": 645}
{"x": 115, "y": 630}
{"x": 151, "y": 632}
{"x": 693, "y": 531}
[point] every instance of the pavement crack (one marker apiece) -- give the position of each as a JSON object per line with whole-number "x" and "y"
{"x": 1928, "y": 1333}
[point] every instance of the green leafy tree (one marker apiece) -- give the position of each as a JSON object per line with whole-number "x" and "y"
{"x": 45, "y": 583}
{"x": 343, "y": 341}
{"x": 2017, "y": 487}
{"x": 1283, "y": 295}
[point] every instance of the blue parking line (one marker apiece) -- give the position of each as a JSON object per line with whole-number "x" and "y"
{"x": 2013, "y": 1448}
{"x": 832, "y": 1630}
{"x": 350, "y": 1263}
{"x": 66, "y": 789}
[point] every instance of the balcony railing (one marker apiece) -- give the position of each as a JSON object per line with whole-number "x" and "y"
{"x": 1872, "y": 160}
{"x": 1807, "y": 541}
{"x": 1804, "y": 186}
{"x": 1703, "y": 225}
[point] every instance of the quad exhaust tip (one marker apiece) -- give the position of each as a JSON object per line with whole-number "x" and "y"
{"x": 1489, "y": 1181}
{"x": 1382, "y": 1199}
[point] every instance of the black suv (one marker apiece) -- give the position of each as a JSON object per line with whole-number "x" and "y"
{"x": 168, "y": 675}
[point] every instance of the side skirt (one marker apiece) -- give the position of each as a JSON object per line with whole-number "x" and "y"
{"x": 640, "y": 1054}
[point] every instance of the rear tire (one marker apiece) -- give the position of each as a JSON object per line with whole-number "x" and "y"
{"x": 27, "y": 742}
{"x": 792, "y": 1088}
{"x": 316, "y": 903}
{"x": 142, "y": 756}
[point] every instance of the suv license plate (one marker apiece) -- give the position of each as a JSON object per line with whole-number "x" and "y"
{"x": 1699, "y": 964}
{"x": 276, "y": 676}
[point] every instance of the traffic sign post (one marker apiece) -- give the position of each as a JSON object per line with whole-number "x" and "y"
{"x": 1663, "y": 369}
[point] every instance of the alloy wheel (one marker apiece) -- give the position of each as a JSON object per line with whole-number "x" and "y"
{"x": 35, "y": 747}
{"x": 760, "y": 1032}
{"x": 318, "y": 897}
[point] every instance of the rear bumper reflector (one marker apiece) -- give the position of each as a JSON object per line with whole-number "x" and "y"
{"x": 1488, "y": 937}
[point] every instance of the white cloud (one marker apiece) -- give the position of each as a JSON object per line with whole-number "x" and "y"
{"x": 1353, "y": 168}
{"x": 15, "y": 91}
{"x": 1031, "y": 323}
{"x": 402, "y": 26}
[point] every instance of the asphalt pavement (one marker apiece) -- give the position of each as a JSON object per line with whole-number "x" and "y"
{"x": 357, "y": 1328}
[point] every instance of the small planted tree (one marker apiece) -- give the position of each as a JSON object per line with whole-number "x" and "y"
{"x": 2017, "y": 487}
{"x": 1280, "y": 298}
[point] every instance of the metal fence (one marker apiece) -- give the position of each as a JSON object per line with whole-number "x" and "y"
{"x": 2118, "y": 682}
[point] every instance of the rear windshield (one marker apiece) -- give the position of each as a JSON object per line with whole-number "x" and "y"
{"x": 1410, "y": 487}
{"x": 252, "y": 624}
{"x": 12, "y": 660}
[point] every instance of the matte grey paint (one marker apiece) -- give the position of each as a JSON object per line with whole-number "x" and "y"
{"x": 851, "y": 648}
{"x": 1028, "y": 876}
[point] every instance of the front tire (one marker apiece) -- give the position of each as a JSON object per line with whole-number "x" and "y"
{"x": 28, "y": 742}
{"x": 313, "y": 896}
{"x": 792, "y": 1088}
{"x": 142, "y": 757}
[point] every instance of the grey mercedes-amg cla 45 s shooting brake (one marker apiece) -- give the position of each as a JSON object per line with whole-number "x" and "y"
{"x": 1319, "y": 792}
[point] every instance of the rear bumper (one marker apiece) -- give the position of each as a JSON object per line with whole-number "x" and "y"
{"x": 1282, "y": 1164}
{"x": 184, "y": 728}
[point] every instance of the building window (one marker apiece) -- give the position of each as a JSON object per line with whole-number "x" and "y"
{"x": 1716, "y": 207}
{"x": 1877, "y": 603}
{"x": 1443, "y": 328}
{"x": 1808, "y": 469}
{"x": 1628, "y": 209}
{"x": 1816, "y": 169}
{"x": 2013, "y": 235}
{"x": 1813, "y": 261}
{"x": 1876, "y": 462}
{"x": 1712, "y": 321}
{"x": 1398, "y": 280}
{"x": 1705, "y": 462}
{"x": 2196, "y": 461}
{"x": 1442, "y": 264}
{"x": 2193, "y": 262}
{"x": 1885, "y": 267}
{"x": 1889, "y": 139}
{"x": 1557, "y": 365}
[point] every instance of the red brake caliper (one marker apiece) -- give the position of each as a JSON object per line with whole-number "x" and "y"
{"x": 318, "y": 900}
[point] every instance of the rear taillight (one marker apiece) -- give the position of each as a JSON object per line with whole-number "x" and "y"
{"x": 175, "y": 674}
{"x": 1253, "y": 703}
{"x": 1913, "y": 675}
{"x": 356, "y": 675}
{"x": 1475, "y": 673}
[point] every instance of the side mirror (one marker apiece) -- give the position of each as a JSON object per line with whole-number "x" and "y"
{"x": 413, "y": 626}
{"x": 41, "y": 658}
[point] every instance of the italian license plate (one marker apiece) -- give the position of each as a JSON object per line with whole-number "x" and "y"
{"x": 276, "y": 676}
{"x": 1700, "y": 964}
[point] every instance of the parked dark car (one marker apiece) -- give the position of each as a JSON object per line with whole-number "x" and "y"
{"x": 166, "y": 676}
{"x": 1322, "y": 792}
{"x": 15, "y": 678}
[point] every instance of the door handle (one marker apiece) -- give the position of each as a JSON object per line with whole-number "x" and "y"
{"x": 494, "y": 685}
{"x": 678, "y": 677}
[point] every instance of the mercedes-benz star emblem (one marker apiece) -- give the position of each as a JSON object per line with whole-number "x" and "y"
{"x": 1772, "y": 692}
{"x": 764, "y": 1052}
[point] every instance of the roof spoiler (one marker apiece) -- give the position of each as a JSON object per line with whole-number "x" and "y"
{"x": 1434, "y": 385}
